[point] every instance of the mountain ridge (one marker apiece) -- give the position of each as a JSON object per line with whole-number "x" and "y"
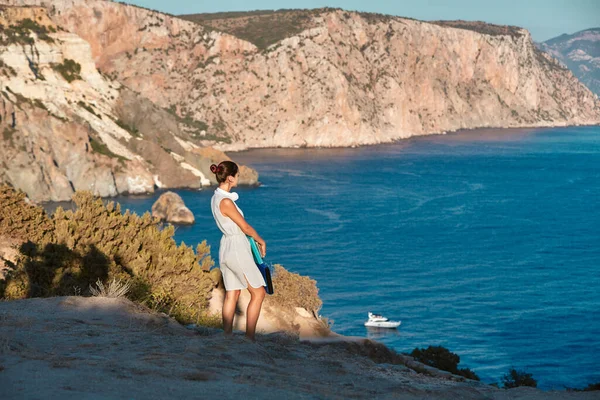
{"x": 580, "y": 52}
{"x": 351, "y": 79}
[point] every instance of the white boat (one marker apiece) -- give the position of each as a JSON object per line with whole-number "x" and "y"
{"x": 379, "y": 321}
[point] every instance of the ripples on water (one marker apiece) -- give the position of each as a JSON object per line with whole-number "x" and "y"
{"x": 485, "y": 242}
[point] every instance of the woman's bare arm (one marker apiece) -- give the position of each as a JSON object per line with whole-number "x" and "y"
{"x": 229, "y": 209}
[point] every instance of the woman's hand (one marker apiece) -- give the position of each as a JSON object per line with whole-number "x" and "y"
{"x": 262, "y": 246}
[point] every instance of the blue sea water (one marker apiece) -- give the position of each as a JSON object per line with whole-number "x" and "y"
{"x": 485, "y": 242}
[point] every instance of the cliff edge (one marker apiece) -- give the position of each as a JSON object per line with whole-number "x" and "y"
{"x": 334, "y": 78}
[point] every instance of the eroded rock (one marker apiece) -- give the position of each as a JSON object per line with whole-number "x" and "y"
{"x": 170, "y": 208}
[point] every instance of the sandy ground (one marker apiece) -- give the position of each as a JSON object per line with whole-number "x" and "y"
{"x": 78, "y": 347}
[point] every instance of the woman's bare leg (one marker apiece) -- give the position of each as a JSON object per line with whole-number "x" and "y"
{"x": 231, "y": 299}
{"x": 257, "y": 296}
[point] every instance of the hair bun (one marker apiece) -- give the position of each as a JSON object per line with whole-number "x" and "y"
{"x": 213, "y": 168}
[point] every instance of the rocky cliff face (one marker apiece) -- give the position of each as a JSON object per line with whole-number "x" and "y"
{"x": 348, "y": 79}
{"x": 67, "y": 127}
{"x": 580, "y": 52}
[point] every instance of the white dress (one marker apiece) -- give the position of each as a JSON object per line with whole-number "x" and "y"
{"x": 235, "y": 255}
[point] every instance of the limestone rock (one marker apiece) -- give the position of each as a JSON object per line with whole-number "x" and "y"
{"x": 66, "y": 126}
{"x": 9, "y": 252}
{"x": 348, "y": 79}
{"x": 170, "y": 207}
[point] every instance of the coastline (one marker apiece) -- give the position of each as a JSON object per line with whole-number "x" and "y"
{"x": 469, "y": 134}
{"x": 236, "y": 151}
{"x": 246, "y": 156}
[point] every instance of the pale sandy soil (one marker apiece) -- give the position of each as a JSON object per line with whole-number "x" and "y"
{"x": 77, "y": 347}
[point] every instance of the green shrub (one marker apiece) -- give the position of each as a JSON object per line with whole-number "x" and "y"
{"x": 516, "y": 378}
{"x": 441, "y": 358}
{"x": 69, "y": 69}
{"x": 96, "y": 241}
{"x": 293, "y": 290}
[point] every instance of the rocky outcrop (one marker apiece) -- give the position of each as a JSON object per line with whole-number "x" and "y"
{"x": 348, "y": 79}
{"x": 66, "y": 126}
{"x": 272, "y": 317}
{"x": 580, "y": 52}
{"x": 114, "y": 346}
{"x": 9, "y": 253}
{"x": 170, "y": 208}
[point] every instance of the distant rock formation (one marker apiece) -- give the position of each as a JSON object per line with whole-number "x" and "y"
{"x": 331, "y": 77}
{"x": 66, "y": 127}
{"x": 170, "y": 208}
{"x": 580, "y": 52}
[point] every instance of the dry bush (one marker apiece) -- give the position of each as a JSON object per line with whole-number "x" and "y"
{"x": 97, "y": 242}
{"x": 22, "y": 220}
{"x": 115, "y": 289}
{"x": 293, "y": 290}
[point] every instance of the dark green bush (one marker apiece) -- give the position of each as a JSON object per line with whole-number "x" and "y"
{"x": 589, "y": 388}
{"x": 592, "y": 387}
{"x": 441, "y": 358}
{"x": 516, "y": 378}
{"x": 69, "y": 69}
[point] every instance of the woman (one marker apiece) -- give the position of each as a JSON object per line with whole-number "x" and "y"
{"x": 235, "y": 256}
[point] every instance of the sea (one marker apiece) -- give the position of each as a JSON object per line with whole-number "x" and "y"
{"x": 486, "y": 242}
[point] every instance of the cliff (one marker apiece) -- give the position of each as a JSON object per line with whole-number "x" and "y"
{"x": 66, "y": 126}
{"x": 580, "y": 52}
{"x": 99, "y": 347}
{"x": 334, "y": 78}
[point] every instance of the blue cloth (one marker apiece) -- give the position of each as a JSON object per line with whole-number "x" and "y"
{"x": 262, "y": 266}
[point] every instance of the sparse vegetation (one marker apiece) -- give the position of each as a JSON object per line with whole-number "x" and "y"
{"x": 262, "y": 27}
{"x": 441, "y": 358}
{"x": 483, "y": 27}
{"x": 100, "y": 148}
{"x": 21, "y": 33}
{"x": 131, "y": 129}
{"x": 7, "y": 70}
{"x": 195, "y": 127}
{"x": 7, "y": 134}
{"x": 69, "y": 70}
{"x": 88, "y": 108}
